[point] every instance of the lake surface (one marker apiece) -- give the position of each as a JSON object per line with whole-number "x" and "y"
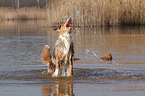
{"x": 23, "y": 74}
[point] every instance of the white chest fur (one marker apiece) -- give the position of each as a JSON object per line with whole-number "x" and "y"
{"x": 67, "y": 39}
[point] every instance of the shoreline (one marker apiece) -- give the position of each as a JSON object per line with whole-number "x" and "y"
{"x": 25, "y": 13}
{"x": 45, "y": 23}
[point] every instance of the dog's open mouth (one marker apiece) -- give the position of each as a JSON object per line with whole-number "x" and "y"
{"x": 69, "y": 22}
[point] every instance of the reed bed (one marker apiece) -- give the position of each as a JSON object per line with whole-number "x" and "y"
{"x": 24, "y": 13}
{"x": 97, "y": 12}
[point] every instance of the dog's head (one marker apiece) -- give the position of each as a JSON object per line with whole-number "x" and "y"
{"x": 65, "y": 27}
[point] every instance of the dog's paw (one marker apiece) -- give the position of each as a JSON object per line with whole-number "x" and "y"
{"x": 56, "y": 73}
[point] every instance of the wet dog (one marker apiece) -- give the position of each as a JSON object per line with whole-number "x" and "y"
{"x": 61, "y": 63}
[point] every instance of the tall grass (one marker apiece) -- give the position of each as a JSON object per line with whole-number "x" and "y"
{"x": 97, "y": 12}
{"x": 25, "y": 13}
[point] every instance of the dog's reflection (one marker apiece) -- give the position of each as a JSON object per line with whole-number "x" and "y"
{"x": 60, "y": 88}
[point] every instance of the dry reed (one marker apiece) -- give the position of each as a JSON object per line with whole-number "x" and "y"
{"x": 97, "y": 12}
{"x": 24, "y": 13}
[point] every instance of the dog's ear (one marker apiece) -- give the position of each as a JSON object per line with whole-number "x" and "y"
{"x": 58, "y": 29}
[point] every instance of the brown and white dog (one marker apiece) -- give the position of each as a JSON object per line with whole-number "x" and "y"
{"x": 61, "y": 63}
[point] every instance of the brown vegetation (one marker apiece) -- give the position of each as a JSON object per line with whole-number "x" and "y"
{"x": 24, "y": 13}
{"x": 83, "y": 12}
{"x": 97, "y": 12}
{"x": 23, "y": 3}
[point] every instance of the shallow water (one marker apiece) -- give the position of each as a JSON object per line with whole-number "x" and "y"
{"x": 23, "y": 74}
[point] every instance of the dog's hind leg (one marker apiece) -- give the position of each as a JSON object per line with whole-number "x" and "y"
{"x": 56, "y": 73}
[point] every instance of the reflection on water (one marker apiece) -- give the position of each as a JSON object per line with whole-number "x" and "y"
{"x": 61, "y": 87}
{"x": 21, "y": 43}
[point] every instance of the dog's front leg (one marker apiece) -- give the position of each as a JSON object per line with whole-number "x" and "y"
{"x": 56, "y": 73}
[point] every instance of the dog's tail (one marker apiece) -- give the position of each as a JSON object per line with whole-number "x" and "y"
{"x": 45, "y": 55}
{"x": 46, "y": 58}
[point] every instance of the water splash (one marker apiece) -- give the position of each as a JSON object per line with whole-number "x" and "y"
{"x": 94, "y": 54}
{"x": 76, "y": 32}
